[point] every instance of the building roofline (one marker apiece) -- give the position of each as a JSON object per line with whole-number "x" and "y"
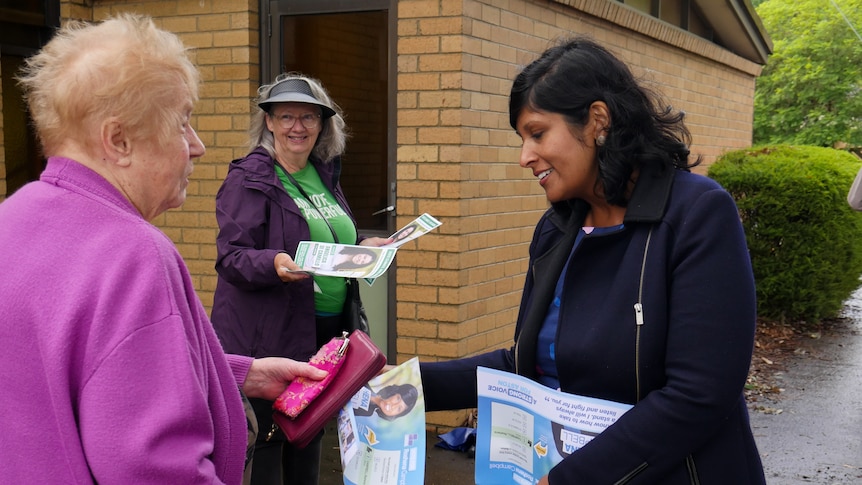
{"x": 737, "y": 27}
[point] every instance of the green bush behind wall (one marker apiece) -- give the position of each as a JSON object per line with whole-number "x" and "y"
{"x": 804, "y": 240}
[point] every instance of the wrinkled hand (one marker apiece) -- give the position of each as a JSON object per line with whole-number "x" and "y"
{"x": 285, "y": 267}
{"x": 376, "y": 241}
{"x": 269, "y": 376}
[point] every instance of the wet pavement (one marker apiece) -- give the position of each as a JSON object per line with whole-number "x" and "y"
{"x": 813, "y": 432}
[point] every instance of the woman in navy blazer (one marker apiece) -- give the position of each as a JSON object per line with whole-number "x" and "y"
{"x": 639, "y": 288}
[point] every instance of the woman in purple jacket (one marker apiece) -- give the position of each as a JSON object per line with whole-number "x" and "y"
{"x": 283, "y": 192}
{"x": 639, "y": 288}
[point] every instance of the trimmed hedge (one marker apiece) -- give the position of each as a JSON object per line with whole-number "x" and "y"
{"x": 804, "y": 239}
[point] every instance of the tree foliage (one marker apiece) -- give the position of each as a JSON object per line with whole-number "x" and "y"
{"x": 809, "y": 90}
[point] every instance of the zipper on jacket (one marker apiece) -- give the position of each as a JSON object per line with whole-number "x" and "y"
{"x": 516, "y": 356}
{"x": 639, "y": 320}
{"x": 692, "y": 470}
{"x": 630, "y": 475}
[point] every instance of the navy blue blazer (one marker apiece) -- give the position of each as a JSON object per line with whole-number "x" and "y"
{"x": 682, "y": 256}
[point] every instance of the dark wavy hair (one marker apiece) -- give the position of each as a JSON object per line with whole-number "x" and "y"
{"x": 353, "y": 251}
{"x": 570, "y": 76}
{"x": 409, "y": 395}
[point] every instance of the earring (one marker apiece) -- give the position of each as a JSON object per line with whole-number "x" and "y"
{"x": 600, "y": 140}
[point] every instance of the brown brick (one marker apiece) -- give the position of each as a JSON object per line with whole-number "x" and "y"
{"x": 417, "y": 154}
{"x": 197, "y": 39}
{"x": 179, "y": 24}
{"x": 424, "y": 81}
{"x": 214, "y": 23}
{"x": 440, "y": 135}
{"x": 418, "y": 8}
{"x": 418, "y": 117}
{"x": 214, "y": 56}
{"x": 419, "y": 45}
{"x": 440, "y": 62}
{"x": 232, "y": 38}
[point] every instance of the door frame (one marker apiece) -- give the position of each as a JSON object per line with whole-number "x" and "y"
{"x": 271, "y": 58}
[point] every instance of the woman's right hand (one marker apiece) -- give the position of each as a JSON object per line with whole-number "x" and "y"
{"x": 287, "y": 268}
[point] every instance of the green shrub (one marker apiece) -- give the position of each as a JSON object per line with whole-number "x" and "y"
{"x": 804, "y": 239}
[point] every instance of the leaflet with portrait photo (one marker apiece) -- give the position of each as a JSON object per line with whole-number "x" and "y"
{"x": 354, "y": 261}
{"x": 345, "y": 260}
{"x": 383, "y": 443}
{"x": 413, "y": 229}
{"x": 524, "y": 428}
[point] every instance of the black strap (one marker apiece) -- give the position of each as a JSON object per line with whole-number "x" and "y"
{"x": 302, "y": 191}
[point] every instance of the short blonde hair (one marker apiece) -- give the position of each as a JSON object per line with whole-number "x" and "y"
{"x": 124, "y": 66}
{"x": 333, "y": 135}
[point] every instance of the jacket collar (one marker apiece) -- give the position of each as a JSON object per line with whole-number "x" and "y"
{"x": 259, "y": 166}
{"x": 650, "y": 195}
{"x": 648, "y": 202}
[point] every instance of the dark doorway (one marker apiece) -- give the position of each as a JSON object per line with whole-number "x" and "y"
{"x": 25, "y": 26}
{"x": 348, "y": 46}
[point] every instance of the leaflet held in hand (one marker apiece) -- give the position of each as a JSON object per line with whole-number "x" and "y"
{"x": 525, "y": 428}
{"x": 353, "y": 261}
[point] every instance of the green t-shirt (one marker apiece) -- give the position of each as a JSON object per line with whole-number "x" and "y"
{"x": 329, "y": 300}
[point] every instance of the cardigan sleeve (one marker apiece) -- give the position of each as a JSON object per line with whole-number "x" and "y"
{"x": 239, "y": 365}
{"x": 144, "y": 413}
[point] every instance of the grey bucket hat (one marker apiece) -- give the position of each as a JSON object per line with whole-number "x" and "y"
{"x": 294, "y": 90}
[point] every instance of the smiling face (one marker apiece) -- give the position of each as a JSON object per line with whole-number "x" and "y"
{"x": 406, "y": 232}
{"x": 393, "y": 406}
{"x": 361, "y": 259}
{"x": 563, "y": 159}
{"x": 293, "y": 144}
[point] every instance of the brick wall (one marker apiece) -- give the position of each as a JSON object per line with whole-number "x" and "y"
{"x": 224, "y": 36}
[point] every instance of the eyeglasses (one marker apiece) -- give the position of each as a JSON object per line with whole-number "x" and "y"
{"x": 309, "y": 120}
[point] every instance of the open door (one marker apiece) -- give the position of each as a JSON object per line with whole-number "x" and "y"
{"x": 347, "y": 45}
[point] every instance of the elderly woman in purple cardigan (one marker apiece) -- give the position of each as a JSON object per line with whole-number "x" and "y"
{"x": 111, "y": 370}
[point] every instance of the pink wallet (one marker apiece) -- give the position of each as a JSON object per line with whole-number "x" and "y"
{"x": 360, "y": 361}
{"x": 302, "y": 391}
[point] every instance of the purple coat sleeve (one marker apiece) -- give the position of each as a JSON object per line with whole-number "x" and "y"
{"x": 242, "y": 214}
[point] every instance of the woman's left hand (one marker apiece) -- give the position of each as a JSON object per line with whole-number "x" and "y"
{"x": 376, "y": 241}
{"x": 269, "y": 376}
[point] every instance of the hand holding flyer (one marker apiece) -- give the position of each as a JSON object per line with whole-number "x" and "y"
{"x": 417, "y": 227}
{"x": 345, "y": 260}
{"x": 525, "y": 428}
{"x": 352, "y": 261}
